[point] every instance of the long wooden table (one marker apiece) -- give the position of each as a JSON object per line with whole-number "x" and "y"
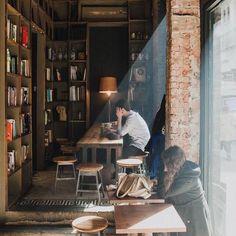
{"x": 92, "y": 140}
{"x": 148, "y": 219}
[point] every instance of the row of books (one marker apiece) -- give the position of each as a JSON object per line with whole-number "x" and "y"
{"x": 47, "y": 137}
{"x": 11, "y": 96}
{"x": 11, "y": 62}
{"x": 12, "y": 156}
{"x": 48, "y": 116}
{"x": 77, "y": 93}
{"x": 78, "y": 72}
{"x": 25, "y": 151}
{"x": 12, "y": 33}
{"x": 25, "y": 68}
{"x": 11, "y": 160}
{"x": 10, "y": 129}
{"x": 24, "y": 96}
{"x": 11, "y": 30}
{"x": 25, "y": 123}
{"x": 49, "y": 95}
{"x": 62, "y": 54}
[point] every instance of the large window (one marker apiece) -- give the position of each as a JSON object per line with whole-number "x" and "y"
{"x": 219, "y": 119}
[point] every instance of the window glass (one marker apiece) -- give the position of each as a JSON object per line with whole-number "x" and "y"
{"x": 221, "y": 116}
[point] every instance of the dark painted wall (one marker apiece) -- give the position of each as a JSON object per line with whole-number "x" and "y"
{"x": 108, "y": 57}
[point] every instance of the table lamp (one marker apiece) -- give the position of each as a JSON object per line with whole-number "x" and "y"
{"x": 108, "y": 85}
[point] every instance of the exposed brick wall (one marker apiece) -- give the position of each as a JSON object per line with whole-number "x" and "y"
{"x": 183, "y": 76}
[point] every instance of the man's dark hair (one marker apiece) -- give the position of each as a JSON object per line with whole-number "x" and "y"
{"x": 123, "y": 103}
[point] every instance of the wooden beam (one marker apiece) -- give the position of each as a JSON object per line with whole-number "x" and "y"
{"x": 3, "y": 161}
{"x": 40, "y": 100}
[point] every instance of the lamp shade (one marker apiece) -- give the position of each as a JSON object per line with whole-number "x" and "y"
{"x": 108, "y": 85}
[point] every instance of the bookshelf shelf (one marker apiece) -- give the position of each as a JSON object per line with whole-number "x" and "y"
{"x": 139, "y": 21}
{"x": 77, "y": 81}
{"x": 26, "y": 161}
{"x": 26, "y": 77}
{"x": 14, "y": 139}
{"x": 12, "y": 43}
{"x": 11, "y": 173}
{"x": 12, "y": 11}
{"x": 26, "y": 134}
{"x": 25, "y": 49}
{"x": 77, "y": 61}
{"x": 77, "y": 121}
{"x": 12, "y": 75}
{"x": 13, "y": 107}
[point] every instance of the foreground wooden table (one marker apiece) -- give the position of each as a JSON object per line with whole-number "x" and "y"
{"x": 148, "y": 219}
{"x": 132, "y": 200}
{"x": 93, "y": 141}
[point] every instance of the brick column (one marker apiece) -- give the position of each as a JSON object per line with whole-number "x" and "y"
{"x": 183, "y": 72}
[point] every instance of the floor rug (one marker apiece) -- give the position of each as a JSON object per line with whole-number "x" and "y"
{"x": 57, "y": 204}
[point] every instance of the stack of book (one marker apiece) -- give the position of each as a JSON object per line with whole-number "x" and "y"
{"x": 24, "y": 151}
{"x": 10, "y": 129}
{"x": 11, "y": 96}
{"x": 24, "y": 66}
{"x": 25, "y": 123}
{"x": 11, "y": 160}
{"x": 11, "y": 30}
{"x": 24, "y": 96}
{"x": 77, "y": 93}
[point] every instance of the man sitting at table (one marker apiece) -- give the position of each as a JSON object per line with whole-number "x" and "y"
{"x": 134, "y": 126}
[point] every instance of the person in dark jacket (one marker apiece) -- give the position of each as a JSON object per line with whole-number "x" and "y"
{"x": 182, "y": 187}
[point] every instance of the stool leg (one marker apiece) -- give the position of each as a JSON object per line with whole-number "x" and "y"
{"x": 77, "y": 186}
{"x": 56, "y": 178}
{"x": 97, "y": 184}
{"x": 82, "y": 186}
{"x": 100, "y": 175}
{"x": 74, "y": 173}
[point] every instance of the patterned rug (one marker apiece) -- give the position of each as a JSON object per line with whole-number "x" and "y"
{"x": 57, "y": 204}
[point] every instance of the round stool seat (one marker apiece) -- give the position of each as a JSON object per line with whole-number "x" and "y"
{"x": 129, "y": 162}
{"x": 89, "y": 167}
{"x": 64, "y": 159}
{"x": 139, "y": 157}
{"x": 69, "y": 149}
{"x": 90, "y": 224}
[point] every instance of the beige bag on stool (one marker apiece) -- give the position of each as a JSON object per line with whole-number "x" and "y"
{"x": 134, "y": 185}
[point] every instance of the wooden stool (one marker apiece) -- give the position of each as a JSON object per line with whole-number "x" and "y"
{"x": 90, "y": 169}
{"x": 143, "y": 159}
{"x": 61, "y": 162}
{"x": 129, "y": 163}
{"x": 90, "y": 224}
{"x": 72, "y": 150}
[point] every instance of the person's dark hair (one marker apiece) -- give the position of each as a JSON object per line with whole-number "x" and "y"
{"x": 123, "y": 103}
{"x": 173, "y": 159}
